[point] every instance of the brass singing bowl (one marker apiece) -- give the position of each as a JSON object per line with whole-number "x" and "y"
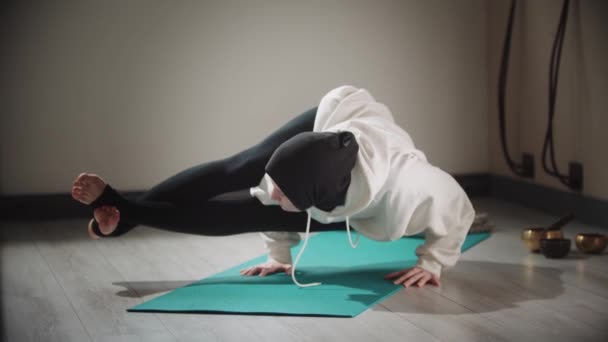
{"x": 590, "y": 242}
{"x": 532, "y": 237}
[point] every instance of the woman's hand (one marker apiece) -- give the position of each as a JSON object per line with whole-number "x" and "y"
{"x": 266, "y": 268}
{"x": 413, "y": 275}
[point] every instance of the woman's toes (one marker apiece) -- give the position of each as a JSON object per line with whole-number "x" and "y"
{"x": 114, "y": 218}
{"x": 79, "y": 195}
{"x": 80, "y": 177}
{"x": 85, "y": 180}
{"x": 92, "y": 185}
{"x": 93, "y": 179}
{"x": 87, "y": 187}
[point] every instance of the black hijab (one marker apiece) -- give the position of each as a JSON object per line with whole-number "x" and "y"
{"x": 313, "y": 168}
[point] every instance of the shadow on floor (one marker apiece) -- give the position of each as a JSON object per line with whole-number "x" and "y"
{"x": 138, "y": 289}
{"x": 479, "y": 286}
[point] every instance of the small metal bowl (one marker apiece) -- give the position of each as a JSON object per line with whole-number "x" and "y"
{"x": 532, "y": 237}
{"x": 555, "y": 248}
{"x": 590, "y": 242}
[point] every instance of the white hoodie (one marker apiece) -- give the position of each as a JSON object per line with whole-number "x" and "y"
{"x": 394, "y": 191}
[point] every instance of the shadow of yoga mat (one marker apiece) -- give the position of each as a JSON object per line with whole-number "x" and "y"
{"x": 352, "y": 281}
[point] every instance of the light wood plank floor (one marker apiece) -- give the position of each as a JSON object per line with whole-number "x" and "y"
{"x": 58, "y": 285}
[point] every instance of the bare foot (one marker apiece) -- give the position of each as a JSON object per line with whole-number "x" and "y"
{"x": 87, "y": 187}
{"x": 107, "y": 218}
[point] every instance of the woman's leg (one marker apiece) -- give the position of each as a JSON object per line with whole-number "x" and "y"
{"x": 225, "y": 215}
{"x": 240, "y": 171}
{"x": 181, "y": 202}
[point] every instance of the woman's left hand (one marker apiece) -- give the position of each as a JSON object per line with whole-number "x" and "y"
{"x": 413, "y": 275}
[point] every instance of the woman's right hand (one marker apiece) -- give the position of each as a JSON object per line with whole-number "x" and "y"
{"x": 266, "y": 268}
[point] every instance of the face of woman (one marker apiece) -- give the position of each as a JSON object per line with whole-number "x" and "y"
{"x": 280, "y": 197}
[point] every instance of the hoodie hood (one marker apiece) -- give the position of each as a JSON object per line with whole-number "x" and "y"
{"x": 387, "y": 197}
{"x": 314, "y": 168}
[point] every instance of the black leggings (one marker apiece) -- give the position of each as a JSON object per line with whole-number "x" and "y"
{"x": 213, "y": 198}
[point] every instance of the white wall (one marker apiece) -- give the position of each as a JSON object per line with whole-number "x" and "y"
{"x": 136, "y": 91}
{"x": 581, "y": 116}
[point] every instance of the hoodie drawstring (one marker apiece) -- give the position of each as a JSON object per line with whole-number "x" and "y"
{"x": 293, "y": 270}
{"x": 350, "y": 240}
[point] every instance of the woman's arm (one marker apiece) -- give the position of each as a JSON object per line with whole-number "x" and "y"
{"x": 279, "y": 245}
{"x": 445, "y": 234}
{"x": 448, "y": 220}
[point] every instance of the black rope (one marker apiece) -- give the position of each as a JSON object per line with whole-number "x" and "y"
{"x": 548, "y": 145}
{"x": 502, "y": 89}
{"x": 549, "y": 166}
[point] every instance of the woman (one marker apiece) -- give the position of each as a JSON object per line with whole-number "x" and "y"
{"x": 343, "y": 161}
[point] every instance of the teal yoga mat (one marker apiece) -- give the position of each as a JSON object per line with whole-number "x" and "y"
{"x": 352, "y": 281}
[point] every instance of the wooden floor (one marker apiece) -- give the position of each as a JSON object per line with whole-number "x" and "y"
{"x": 58, "y": 285}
